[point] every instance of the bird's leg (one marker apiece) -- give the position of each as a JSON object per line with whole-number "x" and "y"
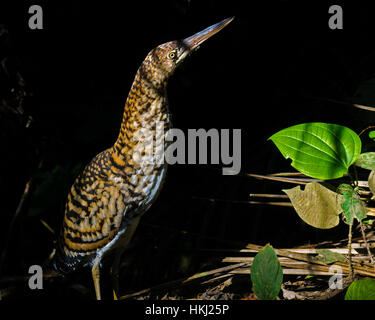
{"x": 115, "y": 271}
{"x": 96, "y": 276}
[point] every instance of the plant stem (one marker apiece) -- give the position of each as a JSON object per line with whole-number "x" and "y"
{"x": 350, "y": 250}
{"x": 365, "y": 129}
{"x": 356, "y": 176}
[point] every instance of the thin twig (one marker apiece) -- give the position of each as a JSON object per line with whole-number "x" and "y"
{"x": 266, "y": 195}
{"x": 272, "y": 203}
{"x": 359, "y": 106}
{"x": 281, "y": 179}
{"x": 366, "y": 243}
{"x": 275, "y": 203}
{"x": 288, "y": 174}
{"x": 47, "y": 226}
{"x": 365, "y": 129}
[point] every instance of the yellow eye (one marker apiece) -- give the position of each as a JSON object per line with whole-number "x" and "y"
{"x": 172, "y": 54}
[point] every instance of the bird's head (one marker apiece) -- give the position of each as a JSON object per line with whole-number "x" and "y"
{"x": 161, "y": 62}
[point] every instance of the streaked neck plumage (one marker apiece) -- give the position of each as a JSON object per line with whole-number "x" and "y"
{"x": 145, "y": 108}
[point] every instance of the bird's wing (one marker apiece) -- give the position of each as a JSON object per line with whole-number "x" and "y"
{"x": 94, "y": 212}
{"x": 91, "y": 222}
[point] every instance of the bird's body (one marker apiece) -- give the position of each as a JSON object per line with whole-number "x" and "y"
{"x": 108, "y": 198}
{"x": 114, "y": 184}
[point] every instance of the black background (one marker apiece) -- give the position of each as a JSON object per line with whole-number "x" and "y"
{"x": 274, "y": 66}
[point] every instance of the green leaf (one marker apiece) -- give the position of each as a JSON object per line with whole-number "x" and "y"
{"x": 369, "y": 221}
{"x": 316, "y": 205}
{"x": 319, "y": 150}
{"x": 371, "y": 135}
{"x": 352, "y": 206}
{"x": 361, "y": 290}
{"x": 328, "y": 256}
{"x": 366, "y": 161}
{"x": 266, "y": 274}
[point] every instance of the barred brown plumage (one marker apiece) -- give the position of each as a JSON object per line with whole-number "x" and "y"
{"x": 108, "y": 198}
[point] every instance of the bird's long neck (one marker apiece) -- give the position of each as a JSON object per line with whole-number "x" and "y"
{"x": 145, "y": 109}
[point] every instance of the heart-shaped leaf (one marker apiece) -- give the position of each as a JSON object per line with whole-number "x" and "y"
{"x": 319, "y": 150}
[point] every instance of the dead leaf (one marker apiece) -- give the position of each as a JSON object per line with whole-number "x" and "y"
{"x": 371, "y": 184}
{"x": 317, "y": 205}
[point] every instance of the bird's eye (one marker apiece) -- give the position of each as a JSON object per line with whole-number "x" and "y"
{"x": 172, "y": 55}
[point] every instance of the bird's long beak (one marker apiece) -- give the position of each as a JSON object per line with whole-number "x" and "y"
{"x": 195, "y": 40}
